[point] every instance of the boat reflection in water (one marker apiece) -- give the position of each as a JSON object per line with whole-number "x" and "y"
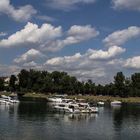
{"x": 79, "y": 117}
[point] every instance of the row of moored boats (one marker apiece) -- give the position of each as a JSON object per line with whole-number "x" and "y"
{"x": 62, "y": 104}
{"x": 7, "y": 100}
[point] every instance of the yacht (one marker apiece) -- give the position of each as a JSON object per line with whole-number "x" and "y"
{"x": 73, "y": 107}
{"x": 4, "y": 100}
{"x": 8, "y": 100}
{"x": 57, "y": 98}
{"x": 100, "y": 103}
{"x": 67, "y": 108}
{"x": 116, "y": 103}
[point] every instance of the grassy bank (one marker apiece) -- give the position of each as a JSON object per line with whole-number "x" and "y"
{"x": 107, "y": 99}
{"x": 43, "y": 97}
{"x": 88, "y": 98}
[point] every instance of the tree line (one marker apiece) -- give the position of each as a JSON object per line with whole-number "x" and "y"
{"x": 62, "y": 83}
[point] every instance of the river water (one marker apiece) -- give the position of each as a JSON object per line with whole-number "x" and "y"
{"x": 36, "y": 121}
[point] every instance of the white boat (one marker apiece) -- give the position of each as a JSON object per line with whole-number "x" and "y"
{"x": 75, "y": 108}
{"x": 4, "y": 102}
{"x": 116, "y": 103}
{"x": 57, "y": 98}
{"x": 100, "y": 103}
{"x": 8, "y": 100}
{"x": 67, "y": 108}
{"x": 14, "y": 101}
{"x": 86, "y": 108}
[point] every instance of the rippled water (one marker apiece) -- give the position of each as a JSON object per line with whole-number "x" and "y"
{"x": 36, "y": 121}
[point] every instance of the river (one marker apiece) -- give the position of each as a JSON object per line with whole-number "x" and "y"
{"x": 36, "y": 121}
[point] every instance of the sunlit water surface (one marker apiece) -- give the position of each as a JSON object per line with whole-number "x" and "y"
{"x": 37, "y": 121}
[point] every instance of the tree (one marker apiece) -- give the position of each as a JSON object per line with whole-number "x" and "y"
{"x": 120, "y": 84}
{"x": 23, "y": 80}
{"x": 136, "y": 84}
{"x": 12, "y": 83}
{"x": 1, "y": 84}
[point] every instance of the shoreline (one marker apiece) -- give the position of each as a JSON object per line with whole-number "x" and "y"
{"x": 88, "y": 98}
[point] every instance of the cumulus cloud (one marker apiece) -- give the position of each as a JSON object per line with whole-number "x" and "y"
{"x": 29, "y": 56}
{"x": 100, "y": 54}
{"x": 49, "y": 38}
{"x": 89, "y": 65}
{"x": 31, "y": 64}
{"x": 3, "y": 34}
{"x": 32, "y": 34}
{"x": 75, "y": 34}
{"x": 85, "y": 58}
{"x": 67, "y": 5}
{"x": 81, "y": 33}
{"x": 133, "y": 62}
{"x": 22, "y": 13}
{"x": 121, "y": 36}
{"x": 63, "y": 60}
{"x": 9, "y": 69}
{"x": 126, "y": 4}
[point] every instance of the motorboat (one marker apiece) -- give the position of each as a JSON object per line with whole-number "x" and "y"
{"x": 57, "y": 98}
{"x": 67, "y": 108}
{"x": 14, "y": 100}
{"x": 4, "y": 101}
{"x": 8, "y": 100}
{"x": 116, "y": 103}
{"x": 86, "y": 108}
{"x": 100, "y": 103}
{"x": 73, "y": 107}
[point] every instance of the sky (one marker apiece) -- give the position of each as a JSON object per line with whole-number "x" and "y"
{"x": 89, "y": 39}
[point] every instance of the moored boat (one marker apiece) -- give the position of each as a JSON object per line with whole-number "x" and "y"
{"x": 73, "y": 107}
{"x": 100, "y": 103}
{"x": 57, "y": 98}
{"x": 116, "y": 103}
{"x": 8, "y": 100}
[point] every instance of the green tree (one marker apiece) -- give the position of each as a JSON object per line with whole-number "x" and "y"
{"x": 1, "y": 84}
{"x": 23, "y": 80}
{"x": 136, "y": 84}
{"x": 12, "y": 83}
{"x": 120, "y": 84}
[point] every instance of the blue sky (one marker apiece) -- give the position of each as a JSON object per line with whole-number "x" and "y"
{"x": 89, "y": 39}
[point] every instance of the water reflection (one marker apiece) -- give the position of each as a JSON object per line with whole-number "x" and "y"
{"x": 35, "y": 121}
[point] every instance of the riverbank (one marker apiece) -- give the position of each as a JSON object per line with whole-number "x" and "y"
{"x": 88, "y": 98}
{"x": 108, "y": 99}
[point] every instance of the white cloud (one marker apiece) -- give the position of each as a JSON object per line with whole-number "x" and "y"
{"x": 8, "y": 70}
{"x": 32, "y": 34}
{"x": 100, "y": 54}
{"x": 116, "y": 62}
{"x": 67, "y": 5}
{"x": 126, "y": 4}
{"x": 121, "y": 36}
{"x": 48, "y": 37}
{"x": 29, "y": 56}
{"x": 62, "y": 60}
{"x": 82, "y": 32}
{"x": 90, "y": 55}
{"x": 87, "y": 66}
{"x": 3, "y": 34}
{"x": 30, "y": 64}
{"x": 46, "y": 18}
{"x": 22, "y": 13}
{"x": 75, "y": 34}
{"x": 133, "y": 62}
